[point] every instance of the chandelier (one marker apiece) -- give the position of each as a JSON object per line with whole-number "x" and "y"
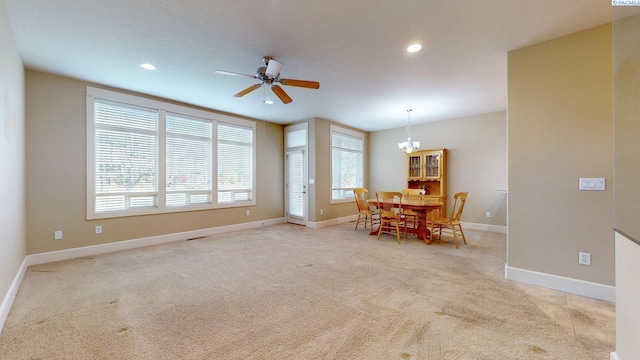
{"x": 409, "y": 146}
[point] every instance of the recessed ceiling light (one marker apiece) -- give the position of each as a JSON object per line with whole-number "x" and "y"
{"x": 268, "y": 102}
{"x": 147, "y": 66}
{"x": 414, "y": 48}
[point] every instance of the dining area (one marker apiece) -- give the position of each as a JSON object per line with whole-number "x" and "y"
{"x": 409, "y": 212}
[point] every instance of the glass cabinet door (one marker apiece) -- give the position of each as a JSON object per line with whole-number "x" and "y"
{"x": 432, "y": 165}
{"x": 415, "y": 167}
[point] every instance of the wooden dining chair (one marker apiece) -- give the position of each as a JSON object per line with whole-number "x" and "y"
{"x": 365, "y": 212}
{"x": 452, "y": 224}
{"x": 391, "y": 218}
{"x": 411, "y": 217}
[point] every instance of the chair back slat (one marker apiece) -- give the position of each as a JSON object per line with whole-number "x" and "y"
{"x": 458, "y": 205}
{"x": 361, "y": 195}
{"x": 386, "y": 201}
{"x": 414, "y": 194}
{"x": 406, "y": 192}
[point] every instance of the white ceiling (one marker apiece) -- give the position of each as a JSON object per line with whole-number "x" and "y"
{"x": 354, "y": 48}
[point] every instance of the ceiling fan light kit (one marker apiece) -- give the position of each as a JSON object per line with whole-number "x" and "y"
{"x": 270, "y": 74}
{"x": 273, "y": 67}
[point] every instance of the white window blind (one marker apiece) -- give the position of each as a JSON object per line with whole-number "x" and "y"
{"x": 347, "y": 168}
{"x": 126, "y": 143}
{"x": 235, "y": 170}
{"x": 296, "y": 183}
{"x": 147, "y": 156}
{"x": 297, "y": 138}
{"x": 188, "y": 161}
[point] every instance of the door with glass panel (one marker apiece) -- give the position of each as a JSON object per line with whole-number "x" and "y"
{"x": 296, "y": 194}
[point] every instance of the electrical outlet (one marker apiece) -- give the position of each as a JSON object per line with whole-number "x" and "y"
{"x": 248, "y": 212}
{"x": 591, "y": 184}
{"x": 584, "y": 258}
{"x": 488, "y": 214}
{"x": 98, "y": 229}
{"x": 321, "y": 211}
{"x": 57, "y": 235}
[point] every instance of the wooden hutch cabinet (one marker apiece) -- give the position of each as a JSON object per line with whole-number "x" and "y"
{"x": 427, "y": 170}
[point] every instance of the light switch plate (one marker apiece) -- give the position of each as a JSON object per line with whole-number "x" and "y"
{"x": 592, "y": 184}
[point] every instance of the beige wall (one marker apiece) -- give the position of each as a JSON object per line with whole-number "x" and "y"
{"x": 626, "y": 124}
{"x": 56, "y": 176}
{"x": 476, "y": 161}
{"x": 320, "y": 171}
{"x": 626, "y": 71}
{"x": 12, "y": 215}
{"x": 560, "y": 129}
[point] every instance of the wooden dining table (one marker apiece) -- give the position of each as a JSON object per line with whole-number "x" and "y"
{"x": 421, "y": 207}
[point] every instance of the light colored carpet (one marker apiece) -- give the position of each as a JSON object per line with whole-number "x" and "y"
{"x": 284, "y": 292}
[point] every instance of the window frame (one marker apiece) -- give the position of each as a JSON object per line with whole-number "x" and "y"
{"x": 166, "y": 163}
{"x": 163, "y": 108}
{"x": 338, "y": 130}
{"x": 252, "y": 155}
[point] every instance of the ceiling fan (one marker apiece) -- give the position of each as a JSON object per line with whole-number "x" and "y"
{"x": 270, "y": 74}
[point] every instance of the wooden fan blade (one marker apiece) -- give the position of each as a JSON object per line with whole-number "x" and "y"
{"x": 300, "y": 83}
{"x": 222, "y": 72}
{"x": 247, "y": 90}
{"x": 281, "y": 94}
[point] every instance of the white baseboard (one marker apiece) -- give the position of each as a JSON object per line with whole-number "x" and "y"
{"x": 43, "y": 258}
{"x": 484, "y": 227}
{"x": 7, "y": 302}
{"x": 569, "y": 285}
{"x": 331, "y": 222}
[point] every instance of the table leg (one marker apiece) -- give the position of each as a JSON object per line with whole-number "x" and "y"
{"x": 423, "y": 232}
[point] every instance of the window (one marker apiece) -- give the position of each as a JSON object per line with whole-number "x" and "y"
{"x": 347, "y": 169}
{"x": 126, "y": 148}
{"x": 146, "y": 157}
{"x": 188, "y": 161}
{"x": 235, "y": 152}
